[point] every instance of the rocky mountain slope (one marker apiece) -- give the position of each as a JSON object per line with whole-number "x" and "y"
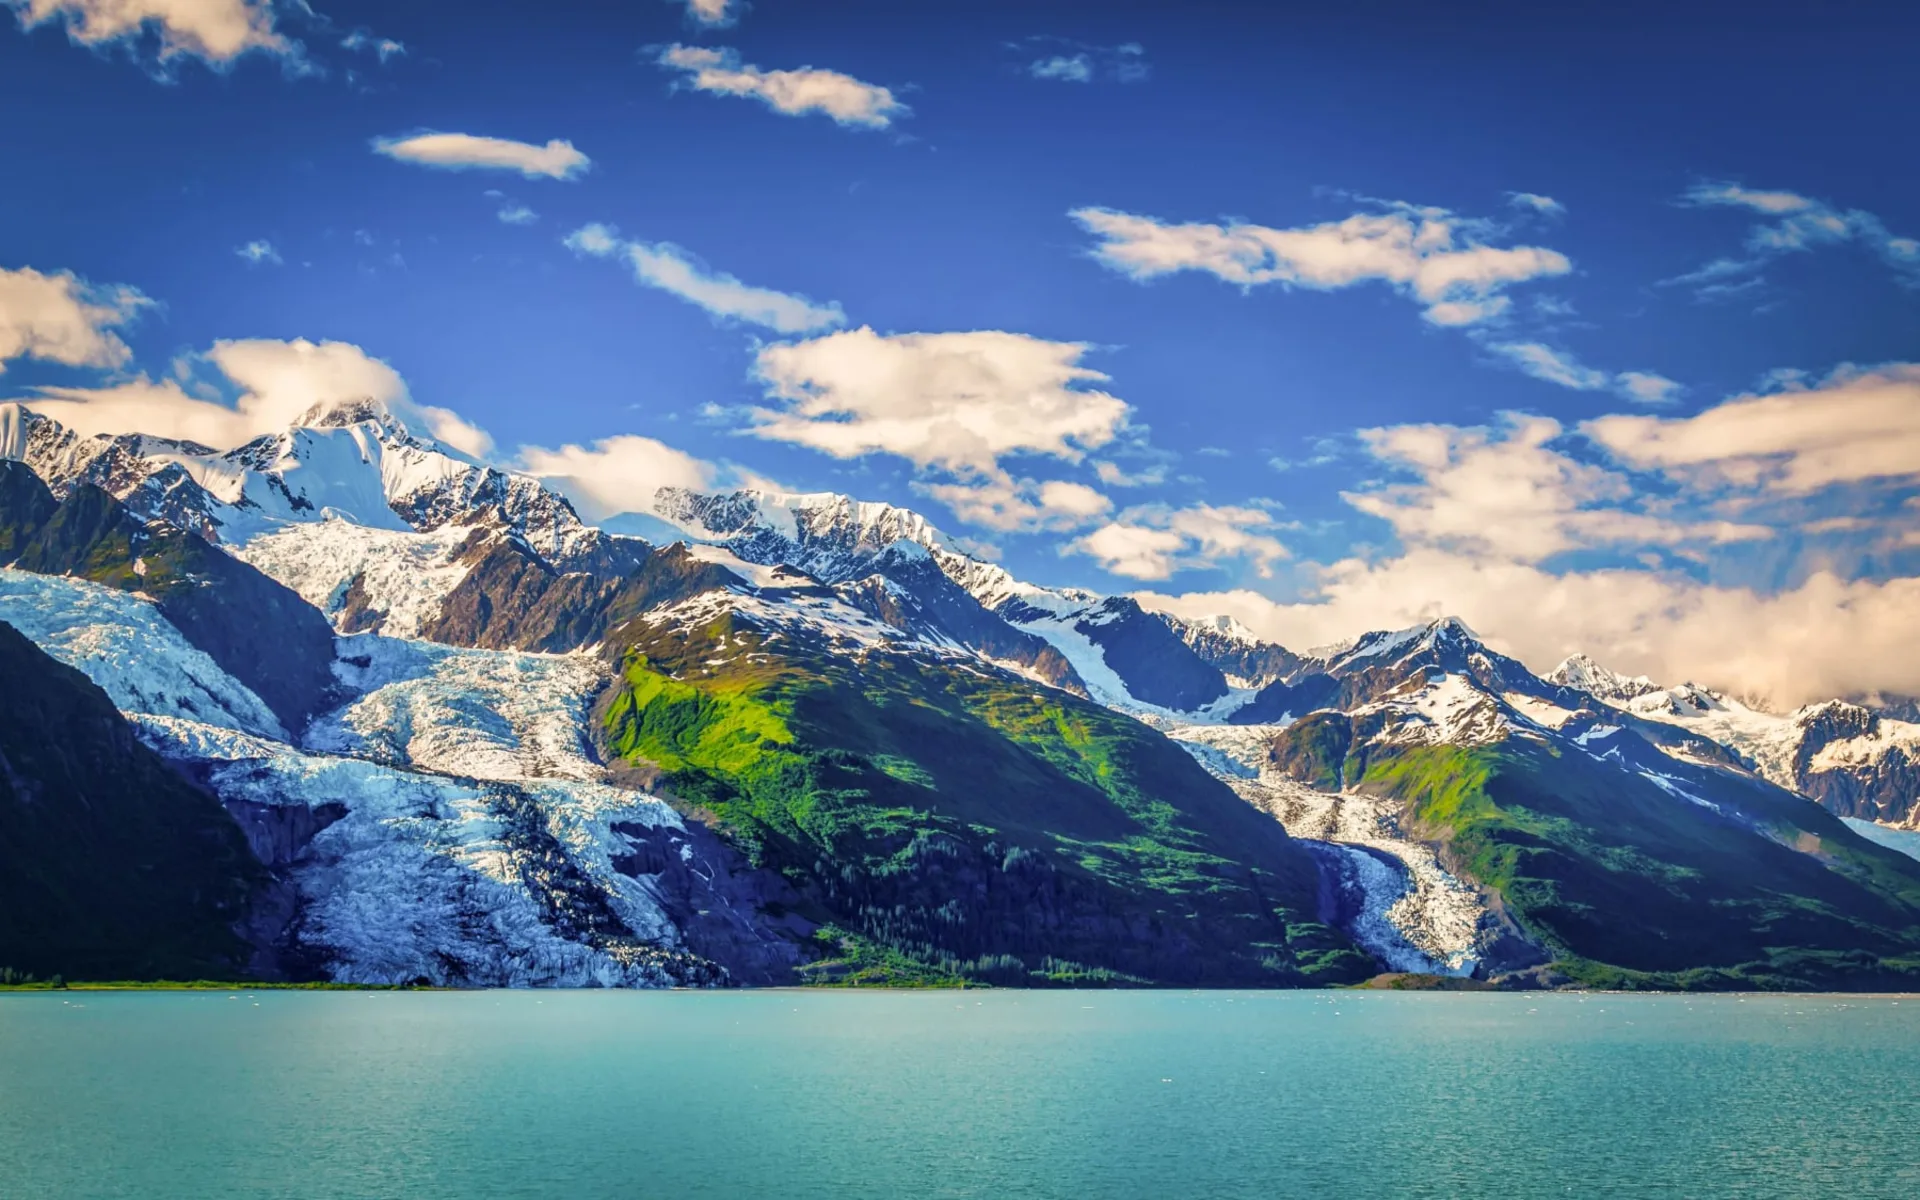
{"x": 1856, "y": 761}
{"x": 115, "y": 866}
{"x": 471, "y": 740}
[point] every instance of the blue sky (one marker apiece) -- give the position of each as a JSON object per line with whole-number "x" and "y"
{"x": 1526, "y": 315}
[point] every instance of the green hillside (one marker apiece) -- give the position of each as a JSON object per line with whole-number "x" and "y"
{"x": 947, "y": 823}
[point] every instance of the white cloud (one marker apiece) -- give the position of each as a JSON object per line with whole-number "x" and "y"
{"x": 1155, "y": 541}
{"x": 1508, "y": 493}
{"x": 1795, "y": 223}
{"x": 1491, "y": 508}
{"x": 1426, "y": 253}
{"x": 956, "y": 402}
{"x": 712, "y": 14}
{"x": 517, "y": 214}
{"x": 1855, "y": 426}
{"x": 617, "y": 474}
{"x": 847, "y": 100}
{"x": 275, "y": 383}
{"x": 463, "y": 151}
{"x": 667, "y": 267}
{"x": 1003, "y": 503}
{"x": 258, "y": 252}
{"x": 1826, "y": 637}
{"x": 61, "y": 318}
{"x": 1068, "y": 68}
{"x": 1557, "y": 366}
{"x": 217, "y": 32}
{"x": 385, "y": 49}
{"x": 1536, "y": 202}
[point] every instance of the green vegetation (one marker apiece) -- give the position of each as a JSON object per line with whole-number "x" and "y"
{"x": 948, "y": 825}
{"x": 1633, "y": 888}
{"x": 13, "y": 981}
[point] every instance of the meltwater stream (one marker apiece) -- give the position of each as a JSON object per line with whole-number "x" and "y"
{"x": 956, "y": 1094}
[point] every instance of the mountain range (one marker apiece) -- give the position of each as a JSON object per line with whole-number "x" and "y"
{"x": 345, "y": 703}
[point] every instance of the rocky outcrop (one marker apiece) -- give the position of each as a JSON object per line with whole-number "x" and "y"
{"x": 260, "y": 632}
{"x": 112, "y": 866}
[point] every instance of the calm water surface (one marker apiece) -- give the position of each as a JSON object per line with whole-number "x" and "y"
{"x": 1124, "y": 1094}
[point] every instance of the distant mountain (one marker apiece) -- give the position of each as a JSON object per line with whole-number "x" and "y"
{"x": 1621, "y": 853}
{"x": 471, "y": 740}
{"x": 1856, "y": 761}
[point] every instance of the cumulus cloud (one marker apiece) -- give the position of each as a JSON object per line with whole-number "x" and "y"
{"x": 1508, "y": 492}
{"x": 464, "y": 151}
{"x": 1557, "y": 366}
{"x": 1856, "y": 425}
{"x": 1001, "y": 502}
{"x": 956, "y": 402}
{"x": 61, "y": 318}
{"x": 712, "y": 14}
{"x": 1441, "y": 261}
{"x": 217, "y": 32}
{"x": 617, "y": 474}
{"x": 1486, "y": 524}
{"x": 273, "y": 382}
{"x": 1793, "y": 223}
{"x": 667, "y": 267}
{"x": 848, "y": 101}
{"x": 1156, "y": 541}
{"x": 259, "y": 251}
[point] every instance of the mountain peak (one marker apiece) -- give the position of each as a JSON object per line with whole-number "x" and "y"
{"x": 1582, "y": 672}
{"x": 341, "y": 413}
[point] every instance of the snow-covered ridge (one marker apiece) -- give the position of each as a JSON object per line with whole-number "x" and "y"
{"x": 354, "y": 460}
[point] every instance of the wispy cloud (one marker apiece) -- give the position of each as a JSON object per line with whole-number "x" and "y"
{"x": 364, "y": 41}
{"x": 848, "y": 101}
{"x": 1793, "y": 223}
{"x": 1442, "y": 261}
{"x": 259, "y": 252}
{"x": 1535, "y": 202}
{"x": 465, "y": 151}
{"x": 1064, "y": 60}
{"x": 517, "y": 214}
{"x": 671, "y": 269}
{"x": 1558, "y": 366}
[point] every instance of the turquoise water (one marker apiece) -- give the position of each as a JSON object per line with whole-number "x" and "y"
{"x": 1069, "y": 1094}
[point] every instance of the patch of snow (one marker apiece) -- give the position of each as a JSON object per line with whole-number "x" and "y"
{"x": 1543, "y": 713}
{"x": 122, "y": 643}
{"x": 406, "y": 576}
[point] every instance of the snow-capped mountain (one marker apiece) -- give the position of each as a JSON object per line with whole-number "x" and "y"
{"x": 1125, "y": 656}
{"x": 354, "y": 461}
{"x": 1857, "y": 762}
{"x": 463, "y": 731}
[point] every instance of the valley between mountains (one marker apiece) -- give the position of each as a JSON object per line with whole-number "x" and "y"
{"x": 345, "y": 704}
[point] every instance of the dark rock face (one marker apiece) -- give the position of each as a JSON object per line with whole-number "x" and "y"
{"x": 1151, "y": 659}
{"x": 260, "y": 632}
{"x": 512, "y": 599}
{"x": 1259, "y": 663}
{"x": 1885, "y": 788}
{"x": 745, "y": 921}
{"x": 923, "y": 601}
{"x": 112, "y": 866}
